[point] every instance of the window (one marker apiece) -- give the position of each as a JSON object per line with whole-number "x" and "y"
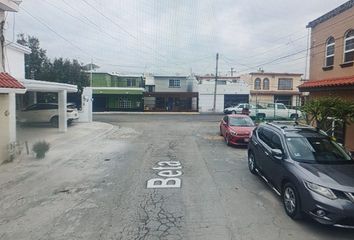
{"x": 257, "y": 84}
{"x": 330, "y": 44}
{"x": 265, "y": 135}
{"x": 276, "y": 143}
{"x": 125, "y": 103}
{"x": 174, "y": 83}
{"x": 221, "y": 82}
{"x": 287, "y": 100}
{"x": 266, "y": 84}
{"x": 349, "y": 46}
{"x": 285, "y": 84}
{"x": 131, "y": 82}
{"x": 281, "y": 106}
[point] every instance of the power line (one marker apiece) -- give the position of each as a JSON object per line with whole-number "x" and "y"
{"x": 55, "y": 32}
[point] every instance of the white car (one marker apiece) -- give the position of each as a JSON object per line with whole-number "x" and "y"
{"x": 46, "y": 112}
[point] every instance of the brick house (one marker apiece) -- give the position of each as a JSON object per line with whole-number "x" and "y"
{"x": 332, "y": 60}
{"x": 271, "y": 87}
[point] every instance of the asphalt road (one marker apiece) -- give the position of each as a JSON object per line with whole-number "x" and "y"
{"x": 218, "y": 197}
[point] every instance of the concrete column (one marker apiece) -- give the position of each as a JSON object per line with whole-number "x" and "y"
{"x": 63, "y": 125}
{"x": 34, "y": 97}
{"x": 4, "y": 126}
{"x": 86, "y": 105}
{"x": 12, "y": 117}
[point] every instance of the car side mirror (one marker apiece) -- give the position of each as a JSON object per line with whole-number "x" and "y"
{"x": 277, "y": 154}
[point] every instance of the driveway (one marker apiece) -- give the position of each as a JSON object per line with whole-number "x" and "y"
{"x": 100, "y": 192}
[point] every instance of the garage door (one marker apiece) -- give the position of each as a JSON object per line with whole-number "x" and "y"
{"x": 234, "y": 99}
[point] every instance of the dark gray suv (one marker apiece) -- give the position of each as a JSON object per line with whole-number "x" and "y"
{"x": 312, "y": 173}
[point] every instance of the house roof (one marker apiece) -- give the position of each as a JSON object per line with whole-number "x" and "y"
{"x": 342, "y": 8}
{"x": 7, "y": 81}
{"x": 332, "y": 82}
{"x": 276, "y": 73}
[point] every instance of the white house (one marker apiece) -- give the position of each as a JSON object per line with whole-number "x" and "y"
{"x": 170, "y": 93}
{"x": 229, "y": 92}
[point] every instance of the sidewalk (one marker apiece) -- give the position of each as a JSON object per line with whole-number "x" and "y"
{"x": 77, "y": 133}
{"x": 38, "y": 194}
{"x": 62, "y": 146}
{"x": 148, "y": 113}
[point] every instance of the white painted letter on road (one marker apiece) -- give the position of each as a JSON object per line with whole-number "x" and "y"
{"x": 169, "y": 173}
{"x": 167, "y": 170}
{"x": 164, "y": 183}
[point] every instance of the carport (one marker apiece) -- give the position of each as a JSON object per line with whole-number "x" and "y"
{"x": 62, "y": 89}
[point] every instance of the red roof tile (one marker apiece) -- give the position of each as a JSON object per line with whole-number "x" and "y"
{"x": 7, "y": 81}
{"x": 332, "y": 82}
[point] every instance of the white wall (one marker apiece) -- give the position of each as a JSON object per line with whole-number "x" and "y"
{"x": 206, "y": 94}
{"x": 15, "y": 60}
{"x": 206, "y": 102}
{"x": 162, "y": 84}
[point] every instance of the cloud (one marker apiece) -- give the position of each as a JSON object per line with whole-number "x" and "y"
{"x": 173, "y": 35}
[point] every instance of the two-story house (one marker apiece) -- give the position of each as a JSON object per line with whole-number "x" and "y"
{"x": 271, "y": 87}
{"x": 170, "y": 93}
{"x": 230, "y": 91}
{"x": 113, "y": 92}
{"x": 332, "y": 60}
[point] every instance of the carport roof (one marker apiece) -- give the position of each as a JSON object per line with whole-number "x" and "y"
{"x": 45, "y": 86}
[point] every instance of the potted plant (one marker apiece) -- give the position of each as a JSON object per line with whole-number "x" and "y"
{"x": 40, "y": 148}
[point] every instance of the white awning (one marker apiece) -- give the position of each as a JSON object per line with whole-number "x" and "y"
{"x": 45, "y": 86}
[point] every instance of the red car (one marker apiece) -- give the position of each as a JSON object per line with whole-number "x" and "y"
{"x": 236, "y": 129}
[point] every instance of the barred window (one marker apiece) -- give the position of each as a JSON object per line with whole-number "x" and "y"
{"x": 174, "y": 83}
{"x": 124, "y": 103}
{"x": 285, "y": 84}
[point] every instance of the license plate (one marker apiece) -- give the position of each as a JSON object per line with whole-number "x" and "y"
{"x": 246, "y": 139}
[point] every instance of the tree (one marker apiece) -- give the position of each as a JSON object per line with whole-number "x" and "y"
{"x": 39, "y": 66}
{"x": 33, "y": 61}
{"x": 320, "y": 110}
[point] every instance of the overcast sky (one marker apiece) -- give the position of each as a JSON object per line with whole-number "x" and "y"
{"x": 172, "y": 36}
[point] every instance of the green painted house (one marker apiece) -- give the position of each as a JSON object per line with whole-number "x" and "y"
{"x": 113, "y": 92}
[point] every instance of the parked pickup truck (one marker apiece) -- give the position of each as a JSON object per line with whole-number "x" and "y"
{"x": 275, "y": 111}
{"x": 238, "y": 108}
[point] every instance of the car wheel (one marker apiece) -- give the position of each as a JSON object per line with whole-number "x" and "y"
{"x": 70, "y": 122}
{"x": 252, "y": 163}
{"x": 291, "y": 201}
{"x": 294, "y": 116}
{"x": 54, "y": 121}
{"x": 233, "y": 112}
{"x": 261, "y": 116}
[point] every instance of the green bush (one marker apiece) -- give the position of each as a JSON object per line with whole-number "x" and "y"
{"x": 318, "y": 110}
{"x": 40, "y": 148}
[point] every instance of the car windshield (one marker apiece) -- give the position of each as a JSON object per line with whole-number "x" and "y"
{"x": 241, "y": 122}
{"x": 317, "y": 150}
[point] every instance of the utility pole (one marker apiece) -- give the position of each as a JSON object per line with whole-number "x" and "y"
{"x": 91, "y": 68}
{"x": 216, "y": 81}
{"x": 232, "y": 72}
